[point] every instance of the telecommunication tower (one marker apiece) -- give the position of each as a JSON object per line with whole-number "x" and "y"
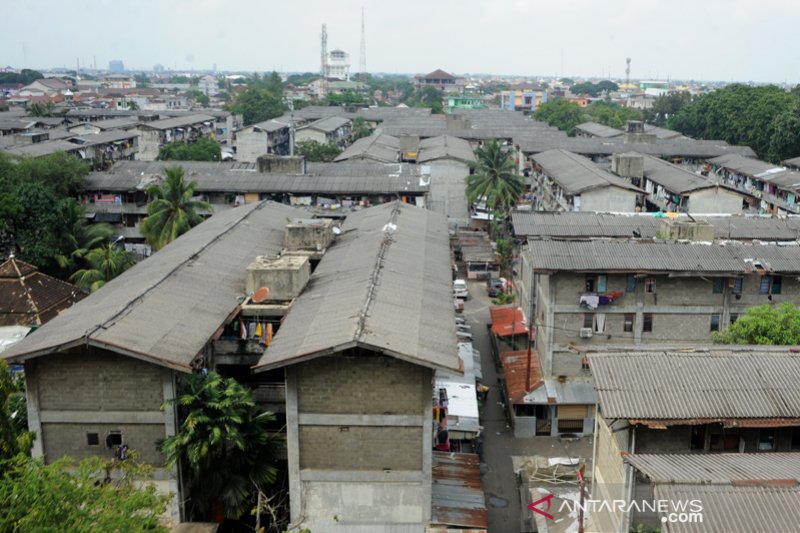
{"x": 362, "y": 66}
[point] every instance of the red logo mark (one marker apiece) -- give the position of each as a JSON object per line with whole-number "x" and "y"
{"x": 547, "y": 499}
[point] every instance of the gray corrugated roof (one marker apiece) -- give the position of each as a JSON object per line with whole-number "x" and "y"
{"x": 729, "y": 509}
{"x": 534, "y": 143}
{"x": 378, "y": 147}
{"x": 674, "y": 178}
{"x": 43, "y": 148}
{"x": 599, "y": 130}
{"x": 576, "y": 174}
{"x": 328, "y": 124}
{"x": 716, "y": 469}
{"x": 177, "y": 122}
{"x": 713, "y": 384}
{"x": 793, "y": 162}
{"x": 581, "y": 224}
{"x": 388, "y": 292}
{"x": 604, "y": 255}
{"x": 164, "y": 309}
{"x": 445, "y": 147}
{"x": 761, "y": 170}
{"x": 333, "y": 178}
{"x": 663, "y": 133}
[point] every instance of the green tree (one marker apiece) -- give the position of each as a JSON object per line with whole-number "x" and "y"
{"x": 225, "y": 443}
{"x": 200, "y": 150}
{"x": 494, "y": 178}
{"x": 46, "y": 109}
{"x": 611, "y": 113}
{"x": 105, "y": 263}
{"x": 594, "y": 89}
{"x": 25, "y": 76}
{"x": 317, "y": 152}
{"x": 257, "y": 105}
{"x": 742, "y": 115}
{"x": 142, "y": 80}
{"x": 561, "y": 114}
{"x": 666, "y": 106}
{"x": 77, "y": 238}
{"x": 429, "y": 97}
{"x": 360, "y": 128}
{"x": 14, "y": 435}
{"x": 95, "y": 495}
{"x": 172, "y": 211}
{"x": 764, "y": 324}
{"x": 37, "y": 217}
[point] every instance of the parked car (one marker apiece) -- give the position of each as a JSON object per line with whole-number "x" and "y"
{"x": 463, "y": 335}
{"x": 460, "y": 289}
{"x": 496, "y": 286}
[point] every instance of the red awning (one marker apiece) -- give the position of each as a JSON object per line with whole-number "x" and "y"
{"x": 508, "y": 320}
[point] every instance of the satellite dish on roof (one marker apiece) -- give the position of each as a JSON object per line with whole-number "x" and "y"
{"x": 260, "y": 295}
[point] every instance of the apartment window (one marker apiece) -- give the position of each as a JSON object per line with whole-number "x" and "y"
{"x": 588, "y": 320}
{"x": 770, "y": 285}
{"x": 602, "y": 282}
{"x": 734, "y": 317}
{"x": 715, "y": 322}
{"x": 718, "y": 285}
{"x": 627, "y": 324}
{"x": 93, "y": 439}
{"x": 728, "y": 441}
{"x": 777, "y": 281}
{"x": 795, "y": 439}
{"x": 600, "y": 323}
{"x": 737, "y": 285}
{"x": 650, "y": 285}
{"x": 591, "y": 283}
{"x": 766, "y": 440}
{"x": 647, "y": 323}
{"x": 631, "y": 283}
{"x": 114, "y": 439}
{"x": 596, "y": 282}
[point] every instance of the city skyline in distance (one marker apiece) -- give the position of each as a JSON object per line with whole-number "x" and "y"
{"x": 714, "y": 40}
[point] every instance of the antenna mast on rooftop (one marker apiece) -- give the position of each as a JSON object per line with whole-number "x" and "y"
{"x": 627, "y": 71}
{"x": 362, "y": 66}
{"x": 323, "y": 70}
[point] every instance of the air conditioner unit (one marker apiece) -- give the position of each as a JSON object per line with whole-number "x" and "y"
{"x": 586, "y": 333}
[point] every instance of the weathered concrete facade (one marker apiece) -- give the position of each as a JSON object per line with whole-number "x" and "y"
{"x": 675, "y": 310}
{"x": 359, "y": 429}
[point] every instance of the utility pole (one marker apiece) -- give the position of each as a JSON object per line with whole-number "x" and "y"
{"x": 323, "y": 70}
{"x": 362, "y": 66}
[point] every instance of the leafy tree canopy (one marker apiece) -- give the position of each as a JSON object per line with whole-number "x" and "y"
{"x": 562, "y": 114}
{"x": 93, "y": 495}
{"x": 200, "y": 150}
{"x": 594, "y": 89}
{"x": 666, "y": 106}
{"x": 225, "y": 443}
{"x": 762, "y": 118}
{"x": 764, "y": 324}
{"x": 25, "y": 76}
{"x": 14, "y": 436}
{"x": 317, "y": 152}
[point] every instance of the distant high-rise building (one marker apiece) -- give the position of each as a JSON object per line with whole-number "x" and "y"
{"x": 158, "y": 68}
{"x": 116, "y": 66}
{"x": 339, "y": 65}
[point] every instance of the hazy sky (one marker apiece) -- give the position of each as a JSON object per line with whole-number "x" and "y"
{"x": 683, "y": 39}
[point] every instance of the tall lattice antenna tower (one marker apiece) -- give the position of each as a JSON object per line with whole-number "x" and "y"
{"x": 627, "y": 71}
{"x": 323, "y": 69}
{"x": 362, "y": 66}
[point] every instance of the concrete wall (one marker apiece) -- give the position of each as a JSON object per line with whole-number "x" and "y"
{"x": 715, "y": 200}
{"x": 608, "y": 199}
{"x": 94, "y": 391}
{"x": 308, "y": 134}
{"x": 149, "y": 144}
{"x": 250, "y": 144}
{"x": 359, "y": 432}
{"x": 682, "y": 308}
{"x": 610, "y": 474}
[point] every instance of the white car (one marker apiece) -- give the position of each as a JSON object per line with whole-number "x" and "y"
{"x": 460, "y": 289}
{"x": 463, "y": 336}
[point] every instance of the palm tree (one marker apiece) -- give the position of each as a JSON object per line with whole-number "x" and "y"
{"x": 224, "y": 442}
{"x": 105, "y": 263}
{"x": 78, "y": 237}
{"x": 172, "y": 211}
{"x": 494, "y": 178}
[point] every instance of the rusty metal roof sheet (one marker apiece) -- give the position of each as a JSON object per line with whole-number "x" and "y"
{"x": 457, "y": 497}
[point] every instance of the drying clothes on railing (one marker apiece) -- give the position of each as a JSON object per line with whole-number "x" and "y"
{"x": 592, "y": 301}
